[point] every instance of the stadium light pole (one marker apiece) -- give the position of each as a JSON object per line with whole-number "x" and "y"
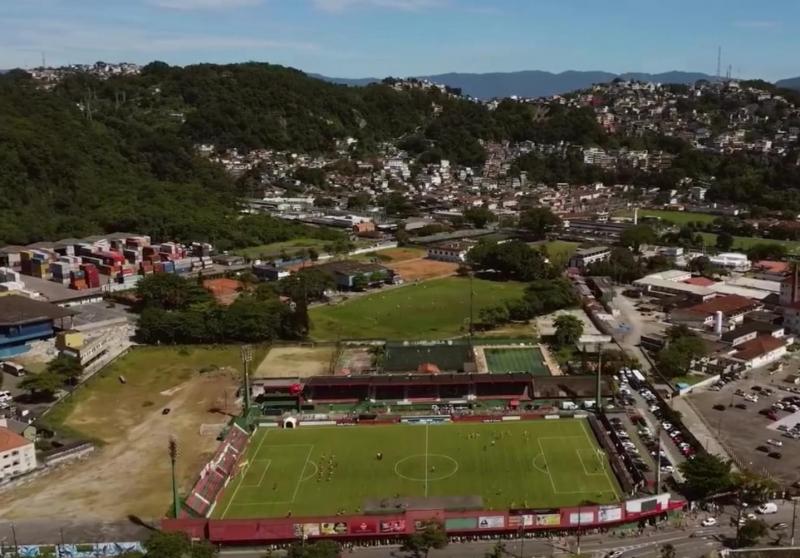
{"x": 173, "y": 458}
{"x": 247, "y": 358}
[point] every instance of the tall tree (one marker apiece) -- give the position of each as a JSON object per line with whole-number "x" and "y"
{"x": 636, "y": 236}
{"x": 420, "y": 543}
{"x": 538, "y": 221}
{"x": 706, "y": 475}
{"x": 568, "y": 330}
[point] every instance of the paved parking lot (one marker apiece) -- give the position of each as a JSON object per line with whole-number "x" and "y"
{"x": 741, "y": 428}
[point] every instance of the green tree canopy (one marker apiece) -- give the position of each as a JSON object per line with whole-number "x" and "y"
{"x": 637, "y": 236}
{"x": 420, "y": 543}
{"x": 479, "y": 217}
{"x": 538, "y": 221}
{"x": 568, "y": 330}
{"x": 706, "y": 475}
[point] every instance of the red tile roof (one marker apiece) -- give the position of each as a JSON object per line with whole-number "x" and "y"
{"x": 700, "y": 281}
{"x": 757, "y": 347}
{"x": 728, "y": 304}
{"x": 774, "y": 267}
{"x": 10, "y": 440}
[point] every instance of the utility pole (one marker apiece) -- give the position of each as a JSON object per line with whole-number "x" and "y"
{"x": 173, "y": 458}
{"x": 471, "y": 305}
{"x": 247, "y": 358}
{"x": 794, "y": 517}
{"x": 14, "y": 540}
{"x": 580, "y": 513}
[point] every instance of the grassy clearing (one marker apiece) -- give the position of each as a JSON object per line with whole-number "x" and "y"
{"x": 429, "y": 310}
{"x": 745, "y": 242}
{"x": 391, "y": 255}
{"x": 290, "y": 246}
{"x": 103, "y": 407}
{"x": 558, "y": 250}
{"x": 675, "y": 217}
{"x": 319, "y": 471}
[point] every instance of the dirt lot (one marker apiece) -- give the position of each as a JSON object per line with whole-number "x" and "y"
{"x": 129, "y": 472}
{"x": 422, "y": 268}
{"x": 296, "y": 362}
{"x": 742, "y": 430}
{"x": 355, "y": 360}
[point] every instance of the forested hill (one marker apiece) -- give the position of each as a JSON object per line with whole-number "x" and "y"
{"x": 91, "y": 156}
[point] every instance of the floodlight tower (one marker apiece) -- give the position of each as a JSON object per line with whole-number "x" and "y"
{"x": 247, "y": 358}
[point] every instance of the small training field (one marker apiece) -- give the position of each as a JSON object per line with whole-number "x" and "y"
{"x": 746, "y": 242}
{"x": 391, "y": 255}
{"x": 502, "y": 360}
{"x": 674, "y": 217}
{"x": 296, "y": 361}
{"x": 326, "y": 470}
{"x": 289, "y": 247}
{"x": 433, "y": 309}
{"x": 422, "y": 269}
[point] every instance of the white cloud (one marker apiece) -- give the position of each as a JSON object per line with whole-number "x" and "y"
{"x": 405, "y": 5}
{"x": 757, "y": 24}
{"x": 202, "y": 4}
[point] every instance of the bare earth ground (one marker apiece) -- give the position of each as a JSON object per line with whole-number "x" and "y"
{"x": 355, "y": 360}
{"x": 422, "y": 268}
{"x": 129, "y": 475}
{"x": 296, "y": 362}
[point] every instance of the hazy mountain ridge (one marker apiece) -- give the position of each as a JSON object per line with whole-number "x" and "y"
{"x": 539, "y": 83}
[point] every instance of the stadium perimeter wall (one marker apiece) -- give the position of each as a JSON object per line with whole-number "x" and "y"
{"x": 365, "y": 527}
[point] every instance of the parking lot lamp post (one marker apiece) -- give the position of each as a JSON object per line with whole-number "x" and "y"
{"x": 173, "y": 458}
{"x": 794, "y": 517}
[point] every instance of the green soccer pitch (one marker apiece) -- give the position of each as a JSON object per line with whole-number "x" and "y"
{"x": 327, "y": 470}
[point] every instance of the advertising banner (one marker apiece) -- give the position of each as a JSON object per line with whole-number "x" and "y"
{"x": 306, "y": 530}
{"x": 607, "y": 514}
{"x": 491, "y": 522}
{"x": 547, "y": 520}
{"x": 337, "y": 528}
{"x": 582, "y": 518}
{"x": 363, "y": 527}
{"x": 395, "y": 526}
{"x": 460, "y": 523}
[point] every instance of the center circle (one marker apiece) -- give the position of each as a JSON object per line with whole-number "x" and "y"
{"x": 426, "y": 468}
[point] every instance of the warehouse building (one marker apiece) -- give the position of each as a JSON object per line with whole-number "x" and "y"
{"x": 23, "y": 320}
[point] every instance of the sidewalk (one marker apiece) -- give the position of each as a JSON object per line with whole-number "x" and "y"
{"x": 692, "y": 420}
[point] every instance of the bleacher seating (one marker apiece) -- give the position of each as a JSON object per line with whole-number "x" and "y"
{"x": 215, "y": 474}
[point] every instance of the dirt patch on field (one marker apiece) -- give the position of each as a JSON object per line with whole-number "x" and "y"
{"x": 423, "y": 268}
{"x": 355, "y": 360}
{"x": 296, "y": 362}
{"x": 130, "y": 473}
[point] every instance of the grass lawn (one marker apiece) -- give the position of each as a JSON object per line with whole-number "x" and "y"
{"x": 289, "y": 246}
{"x": 558, "y": 250}
{"x": 322, "y": 470}
{"x": 505, "y": 360}
{"x": 428, "y": 310}
{"x": 675, "y": 217}
{"x": 391, "y": 255}
{"x": 745, "y": 242}
{"x": 104, "y": 406}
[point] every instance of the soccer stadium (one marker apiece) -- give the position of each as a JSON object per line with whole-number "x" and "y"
{"x": 477, "y": 434}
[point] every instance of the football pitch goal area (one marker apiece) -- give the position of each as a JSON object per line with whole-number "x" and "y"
{"x": 329, "y": 470}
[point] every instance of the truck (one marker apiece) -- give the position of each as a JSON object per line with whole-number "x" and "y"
{"x": 767, "y": 508}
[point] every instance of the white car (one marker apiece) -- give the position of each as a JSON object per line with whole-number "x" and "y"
{"x": 666, "y": 426}
{"x": 709, "y": 522}
{"x": 776, "y": 443}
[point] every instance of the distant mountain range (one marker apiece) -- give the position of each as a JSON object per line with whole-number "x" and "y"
{"x": 537, "y": 83}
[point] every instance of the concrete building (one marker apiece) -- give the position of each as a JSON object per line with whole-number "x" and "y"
{"x": 731, "y": 260}
{"x": 17, "y": 454}
{"x": 587, "y": 256}
{"x": 23, "y": 320}
{"x": 455, "y": 252}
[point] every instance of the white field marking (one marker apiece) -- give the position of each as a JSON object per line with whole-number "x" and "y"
{"x": 547, "y": 467}
{"x": 426, "y": 459}
{"x": 316, "y": 470}
{"x": 583, "y": 463}
{"x": 415, "y": 479}
{"x": 300, "y": 478}
{"x": 535, "y": 466}
{"x": 263, "y": 474}
{"x": 244, "y": 474}
{"x": 602, "y": 461}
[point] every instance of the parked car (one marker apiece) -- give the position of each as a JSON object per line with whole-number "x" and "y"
{"x": 709, "y": 522}
{"x": 776, "y": 443}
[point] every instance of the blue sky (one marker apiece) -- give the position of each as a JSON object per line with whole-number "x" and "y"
{"x": 358, "y": 38}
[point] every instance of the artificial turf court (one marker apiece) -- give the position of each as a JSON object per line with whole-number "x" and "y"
{"x": 515, "y": 359}
{"x": 327, "y": 470}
